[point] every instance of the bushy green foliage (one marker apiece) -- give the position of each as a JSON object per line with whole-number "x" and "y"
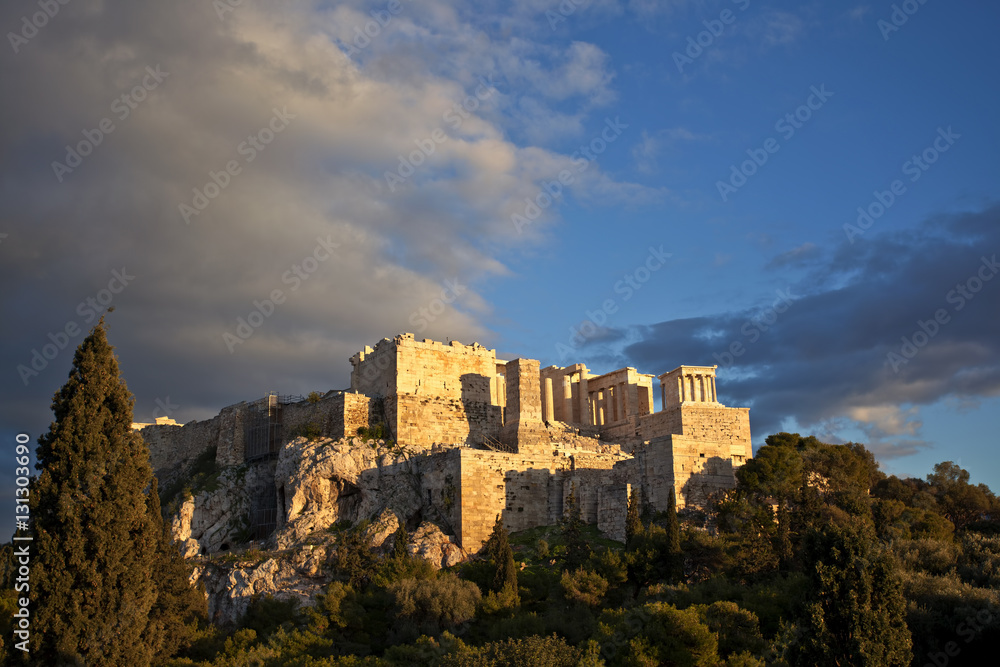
{"x": 738, "y": 629}
{"x": 943, "y": 609}
{"x": 656, "y": 634}
{"x": 584, "y": 587}
{"x": 431, "y": 606}
{"x": 377, "y": 431}
{"x": 926, "y": 555}
{"x": 797, "y": 566}
{"x": 857, "y": 612}
{"x": 266, "y": 614}
{"x": 536, "y": 651}
{"x": 309, "y": 431}
{"x": 979, "y": 563}
{"x": 672, "y": 548}
{"x": 353, "y": 558}
{"x": 501, "y": 558}
{"x": 542, "y": 549}
{"x": 314, "y": 397}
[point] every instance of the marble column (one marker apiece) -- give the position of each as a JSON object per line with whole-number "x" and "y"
{"x": 567, "y": 399}
{"x": 548, "y": 410}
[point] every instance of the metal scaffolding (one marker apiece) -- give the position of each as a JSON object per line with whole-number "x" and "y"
{"x": 263, "y": 430}
{"x": 264, "y": 515}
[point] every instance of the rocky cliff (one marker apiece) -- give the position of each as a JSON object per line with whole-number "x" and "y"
{"x": 313, "y": 485}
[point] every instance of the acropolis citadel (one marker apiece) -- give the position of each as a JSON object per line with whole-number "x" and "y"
{"x": 487, "y": 437}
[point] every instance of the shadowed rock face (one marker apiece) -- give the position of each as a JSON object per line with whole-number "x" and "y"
{"x": 317, "y": 483}
{"x": 326, "y": 481}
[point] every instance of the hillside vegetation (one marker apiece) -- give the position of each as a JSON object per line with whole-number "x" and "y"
{"x": 815, "y": 558}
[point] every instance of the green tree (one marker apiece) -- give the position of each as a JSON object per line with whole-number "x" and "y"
{"x": 431, "y": 606}
{"x": 534, "y": 650}
{"x": 857, "y": 614}
{"x": 738, "y": 629}
{"x": 96, "y": 539}
{"x": 656, "y": 634}
{"x": 960, "y": 502}
{"x": 354, "y": 559}
{"x": 633, "y": 524}
{"x": 674, "y": 560}
{"x": 577, "y": 549}
{"x": 584, "y": 586}
{"x": 782, "y": 537}
{"x": 179, "y": 608}
{"x": 400, "y": 544}
{"x": 774, "y": 472}
{"x": 502, "y": 560}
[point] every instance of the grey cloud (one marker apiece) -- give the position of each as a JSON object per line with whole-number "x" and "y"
{"x": 826, "y": 358}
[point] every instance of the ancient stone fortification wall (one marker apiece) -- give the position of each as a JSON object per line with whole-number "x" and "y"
{"x": 522, "y": 427}
{"x": 660, "y": 424}
{"x": 232, "y": 433}
{"x": 440, "y": 483}
{"x": 525, "y": 490}
{"x": 701, "y": 468}
{"x": 356, "y": 413}
{"x": 718, "y": 424}
{"x": 176, "y": 446}
{"x": 612, "y": 509}
{"x": 172, "y": 447}
{"x": 337, "y": 416}
{"x": 422, "y": 422}
{"x": 436, "y": 392}
{"x": 623, "y": 431}
{"x": 446, "y": 370}
{"x": 374, "y": 370}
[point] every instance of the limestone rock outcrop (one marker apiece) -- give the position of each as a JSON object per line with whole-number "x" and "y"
{"x": 210, "y": 520}
{"x": 321, "y": 482}
{"x": 230, "y": 590}
{"x": 382, "y": 530}
{"x": 430, "y": 543}
{"x": 325, "y": 481}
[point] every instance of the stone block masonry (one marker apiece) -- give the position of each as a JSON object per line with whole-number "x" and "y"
{"x": 434, "y": 393}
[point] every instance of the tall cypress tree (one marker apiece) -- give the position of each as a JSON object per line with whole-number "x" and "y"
{"x": 673, "y": 539}
{"x": 92, "y": 582}
{"x": 179, "y": 607}
{"x": 577, "y": 549}
{"x": 502, "y": 559}
{"x": 633, "y": 524}
{"x": 783, "y": 539}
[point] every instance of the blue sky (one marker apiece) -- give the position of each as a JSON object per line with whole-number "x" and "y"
{"x": 267, "y": 148}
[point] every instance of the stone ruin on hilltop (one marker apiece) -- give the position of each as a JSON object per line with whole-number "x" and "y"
{"x": 466, "y": 437}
